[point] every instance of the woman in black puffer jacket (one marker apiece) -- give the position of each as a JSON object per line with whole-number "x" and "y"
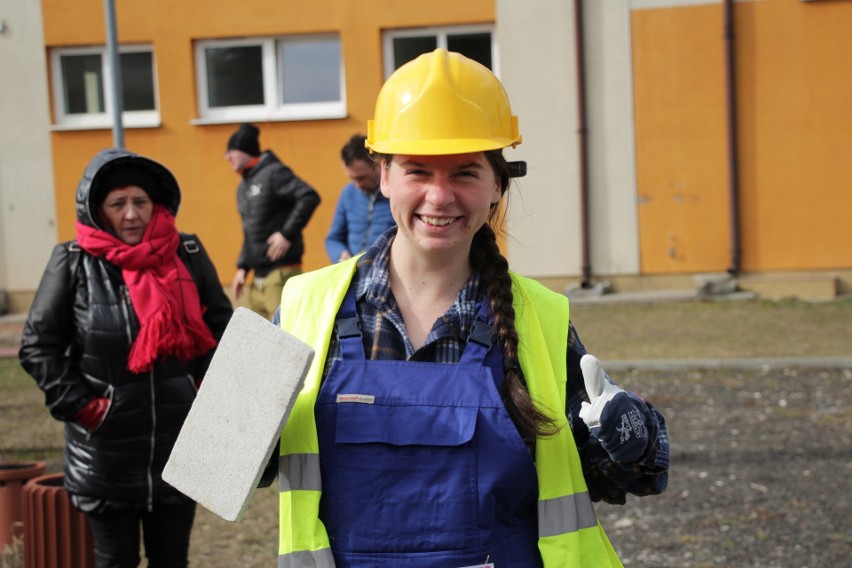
{"x": 119, "y": 335}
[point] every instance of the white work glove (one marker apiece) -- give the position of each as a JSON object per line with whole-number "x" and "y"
{"x": 615, "y": 417}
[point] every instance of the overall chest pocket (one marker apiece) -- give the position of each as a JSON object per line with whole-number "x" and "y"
{"x": 406, "y": 477}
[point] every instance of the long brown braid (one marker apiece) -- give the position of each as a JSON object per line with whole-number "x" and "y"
{"x": 486, "y": 258}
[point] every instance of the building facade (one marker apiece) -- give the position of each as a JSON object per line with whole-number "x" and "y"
{"x": 664, "y": 138}
{"x": 715, "y": 135}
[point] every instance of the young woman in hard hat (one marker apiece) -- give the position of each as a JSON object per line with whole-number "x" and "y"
{"x": 451, "y": 417}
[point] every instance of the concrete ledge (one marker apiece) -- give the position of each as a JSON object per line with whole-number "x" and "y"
{"x": 653, "y": 297}
{"x": 767, "y": 363}
{"x": 779, "y": 286}
{"x": 808, "y": 285}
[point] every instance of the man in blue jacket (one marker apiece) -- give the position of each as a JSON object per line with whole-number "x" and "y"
{"x": 362, "y": 213}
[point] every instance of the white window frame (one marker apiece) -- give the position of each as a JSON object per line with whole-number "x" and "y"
{"x": 130, "y": 119}
{"x": 273, "y": 85}
{"x": 441, "y": 33}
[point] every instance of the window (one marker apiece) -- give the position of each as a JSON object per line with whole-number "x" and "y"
{"x": 82, "y": 85}
{"x": 476, "y": 42}
{"x": 290, "y": 78}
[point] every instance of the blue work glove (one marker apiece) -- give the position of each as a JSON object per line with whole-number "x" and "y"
{"x": 616, "y": 418}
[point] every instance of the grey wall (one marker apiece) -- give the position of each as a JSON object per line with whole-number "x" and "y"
{"x": 27, "y": 205}
{"x": 538, "y": 67}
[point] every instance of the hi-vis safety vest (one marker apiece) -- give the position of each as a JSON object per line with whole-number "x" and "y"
{"x": 569, "y": 533}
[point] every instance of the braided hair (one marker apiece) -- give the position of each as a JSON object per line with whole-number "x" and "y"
{"x": 486, "y": 258}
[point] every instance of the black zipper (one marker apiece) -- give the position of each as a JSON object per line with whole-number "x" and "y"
{"x": 153, "y": 442}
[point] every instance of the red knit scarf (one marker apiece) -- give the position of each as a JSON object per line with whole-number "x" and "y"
{"x": 161, "y": 288}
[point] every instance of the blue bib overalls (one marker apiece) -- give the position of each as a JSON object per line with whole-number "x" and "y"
{"x": 421, "y": 464}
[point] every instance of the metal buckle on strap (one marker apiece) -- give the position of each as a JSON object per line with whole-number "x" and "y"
{"x": 481, "y": 333}
{"x": 348, "y": 327}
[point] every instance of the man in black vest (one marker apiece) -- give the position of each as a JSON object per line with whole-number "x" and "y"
{"x": 275, "y": 205}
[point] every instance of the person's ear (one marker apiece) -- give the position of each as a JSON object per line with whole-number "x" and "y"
{"x": 498, "y": 194}
{"x": 384, "y": 181}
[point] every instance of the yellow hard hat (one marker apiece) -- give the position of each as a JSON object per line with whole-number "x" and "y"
{"x": 442, "y": 103}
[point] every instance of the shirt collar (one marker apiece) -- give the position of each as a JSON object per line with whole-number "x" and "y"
{"x": 373, "y": 284}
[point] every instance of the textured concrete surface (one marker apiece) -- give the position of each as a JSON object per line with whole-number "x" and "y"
{"x": 233, "y": 426}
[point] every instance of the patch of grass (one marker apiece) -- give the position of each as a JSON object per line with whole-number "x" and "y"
{"x": 704, "y": 329}
{"x": 13, "y": 377}
{"x": 35, "y": 435}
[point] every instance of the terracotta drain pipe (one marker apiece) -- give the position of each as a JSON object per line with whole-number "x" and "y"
{"x": 733, "y": 163}
{"x": 582, "y": 132}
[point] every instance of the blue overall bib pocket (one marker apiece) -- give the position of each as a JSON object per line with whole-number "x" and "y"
{"x": 410, "y": 469}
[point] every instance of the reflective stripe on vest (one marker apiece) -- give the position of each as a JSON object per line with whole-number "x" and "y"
{"x": 299, "y": 472}
{"x": 569, "y": 533}
{"x": 317, "y": 559}
{"x": 565, "y": 514}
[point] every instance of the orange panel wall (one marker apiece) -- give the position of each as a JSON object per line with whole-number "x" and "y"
{"x": 678, "y": 70}
{"x": 795, "y": 88}
{"x": 194, "y": 152}
{"x": 794, "y": 136}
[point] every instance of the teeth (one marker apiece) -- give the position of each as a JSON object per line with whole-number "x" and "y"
{"x": 437, "y": 221}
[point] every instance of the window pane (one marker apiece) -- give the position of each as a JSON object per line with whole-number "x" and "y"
{"x": 82, "y": 82}
{"x": 475, "y": 46}
{"x": 234, "y": 75}
{"x": 310, "y": 71}
{"x": 407, "y": 48}
{"x": 137, "y": 78}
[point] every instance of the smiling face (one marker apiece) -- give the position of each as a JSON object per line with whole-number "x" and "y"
{"x": 439, "y": 202}
{"x": 126, "y": 212}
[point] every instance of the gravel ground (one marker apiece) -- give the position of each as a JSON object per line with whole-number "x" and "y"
{"x": 761, "y": 458}
{"x": 761, "y": 462}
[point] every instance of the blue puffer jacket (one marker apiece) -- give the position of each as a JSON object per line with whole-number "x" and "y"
{"x": 355, "y": 226}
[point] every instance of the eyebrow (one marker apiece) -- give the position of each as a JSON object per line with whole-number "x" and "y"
{"x": 120, "y": 198}
{"x": 471, "y": 164}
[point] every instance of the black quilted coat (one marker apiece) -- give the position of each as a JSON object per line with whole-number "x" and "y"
{"x": 271, "y": 198}
{"x": 76, "y": 342}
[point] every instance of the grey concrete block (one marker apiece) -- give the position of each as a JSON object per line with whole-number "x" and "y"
{"x": 234, "y": 423}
